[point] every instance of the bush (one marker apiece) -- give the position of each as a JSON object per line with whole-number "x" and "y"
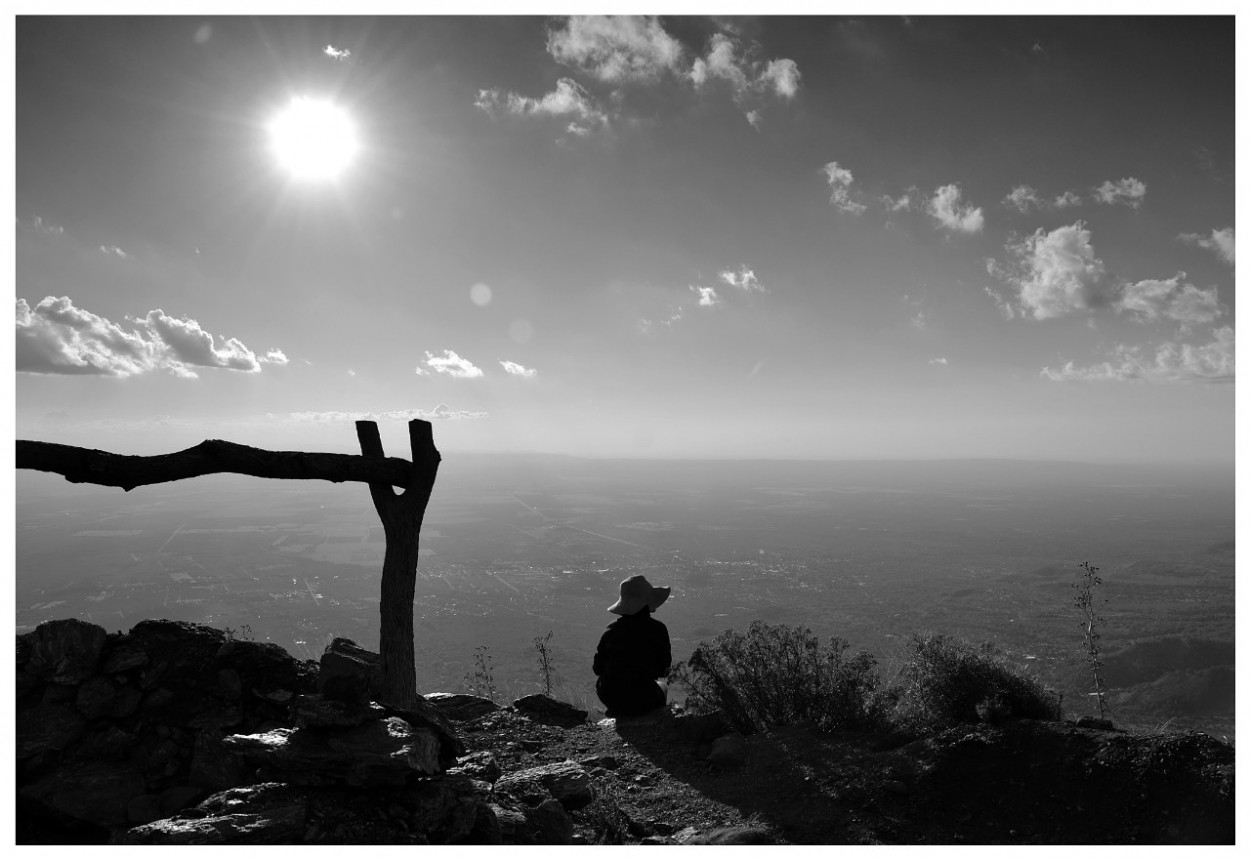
{"x": 775, "y": 675}
{"x": 948, "y": 681}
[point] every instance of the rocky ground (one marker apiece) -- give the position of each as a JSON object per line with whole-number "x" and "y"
{"x": 1023, "y": 782}
{"x": 175, "y": 733}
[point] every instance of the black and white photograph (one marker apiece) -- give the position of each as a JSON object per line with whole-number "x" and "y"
{"x": 475, "y": 427}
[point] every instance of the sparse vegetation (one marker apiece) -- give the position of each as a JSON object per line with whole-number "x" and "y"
{"x": 1086, "y": 602}
{"x": 776, "y": 674}
{"x": 546, "y": 669}
{"x": 482, "y": 680}
{"x": 242, "y": 633}
{"x": 948, "y": 681}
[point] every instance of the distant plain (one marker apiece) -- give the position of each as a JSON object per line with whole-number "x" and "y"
{"x": 517, "y": 546}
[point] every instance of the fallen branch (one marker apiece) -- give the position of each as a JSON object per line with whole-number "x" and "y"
{"x": 82, "y": 465}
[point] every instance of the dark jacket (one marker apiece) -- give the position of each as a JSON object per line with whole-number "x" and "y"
{"x": 634, "y": 650}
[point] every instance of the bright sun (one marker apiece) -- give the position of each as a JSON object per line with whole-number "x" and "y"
{"x": 313, "y": 139}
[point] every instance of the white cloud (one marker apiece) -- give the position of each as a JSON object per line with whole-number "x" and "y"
{"x": 516, "y": 369}
{"x": 938, "y": 361}
{"x": 438, "y": 412}
{"x": 351, "y": 373}
{"x": 1067, "y": 199}
{"x": 840, "y": 180}
{"x": 1129, "y": 191}
{"x": 114, "y": 250}
{"x": 55, "y": 337}
{"x": 1022, "y": 198}
{"x": 192, "y": 345}
{"x": 753, "y": 117}
{"x": 784, "y": 76}
{"x": 1170, "y": 299}
{"x": 274, "y": 356}
{"x": 707, "y": 295}
{"x": 1171, "y": 362}
{"x": 452, "y": 364}
{"x": 744, "y": 278}
{"x": 902, "y": 204}
{"x": 336, "y": 54}
{"x": 1222, "y": 242}
{"x": 569, "y": 98}
{"x": 616, "y": 48}
{"x": 945, "y": 208}
{"x": 1057, "y": 273}
{"x": 781, "y": 76}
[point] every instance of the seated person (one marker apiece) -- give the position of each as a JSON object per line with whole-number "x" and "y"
{"x": 634, "y": 652}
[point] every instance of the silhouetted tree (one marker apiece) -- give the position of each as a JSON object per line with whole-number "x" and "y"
{"x": 401, "y": 513}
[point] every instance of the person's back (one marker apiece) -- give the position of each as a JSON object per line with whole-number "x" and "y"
{"x": 634, "y": 652}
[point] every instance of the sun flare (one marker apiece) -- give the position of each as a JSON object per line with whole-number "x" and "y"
{"x": 313, "y": 139}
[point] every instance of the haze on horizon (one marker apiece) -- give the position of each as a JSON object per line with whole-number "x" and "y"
{"x": 783, "y": 237}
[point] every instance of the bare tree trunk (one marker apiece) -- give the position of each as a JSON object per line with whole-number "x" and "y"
{"x": 401, "y": 516}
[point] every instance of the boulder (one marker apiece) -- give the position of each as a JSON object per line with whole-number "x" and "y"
{"x": 375, "y": 753}
{"x": 47, "y": 727}
{"x": 480, "y": 765}
{"x": 544, "y": 824}
{"x": 733, "y": 835}
{"x": 63, "y": 651}
{"x": 259, "y": 666}
{"x": 545, "y": 710}
{"x": 425, "y": 716}
{"x": 94, "y": 792}
{"x": 100, "y": 697}
{"x": 349, "y": 672}
{"x": 462, "y": 707}
{"x": 566, "y": 782}
{"x": 269, "y": 813}
{"x": 315, "y": 710}
{"x": 729, "y": 752}
{"x": 213, "y": 765}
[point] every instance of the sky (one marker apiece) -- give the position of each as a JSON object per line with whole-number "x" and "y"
{"x": 783, "y": 237}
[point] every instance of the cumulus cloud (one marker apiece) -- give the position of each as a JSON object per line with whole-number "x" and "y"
{"x": 1222, "y": 242}
{"x": 753, "y": 117}
{"x": 744, "y": 278}
{"x": 616, "y": 48}
{"x": 784, "y": 76}
{"x": 1170, "y": 299}
{"x": 438, "y": 412}
{"x": 1067, "y": 199}
{"x": 513, "y": 368}
{"x": 1023, "y": 198}
{"x": 450, "y": 363}
{"x": 745, "y": 76}
{"x": 190, "y": 344}
{"x": 840, "y": 180}
{"x": 946, "y": 209}
{"x": 1213, "y": 362}
{"x": 114, "y": 250}
{"x": 938, "y": 361}
{"x": 1128, "y": 191}
{"x": 568, "y": 99}
{"x": 55, "y": 337}
{"x": 336, "y": 54}
{"x": 274, "y": 356}
{"x": 901, "y": 204}
{"x": 707, "y": 295}
{"x": 1057, "y": 273}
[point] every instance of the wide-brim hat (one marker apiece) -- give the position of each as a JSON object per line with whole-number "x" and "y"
{"x": 636, "y": 594}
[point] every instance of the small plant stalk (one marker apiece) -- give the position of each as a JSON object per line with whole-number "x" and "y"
{"x": 1086, "y": 603}
{"x": 546, "y": 669}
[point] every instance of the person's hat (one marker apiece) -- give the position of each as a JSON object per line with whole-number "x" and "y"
{"x": 636, "y": 594}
